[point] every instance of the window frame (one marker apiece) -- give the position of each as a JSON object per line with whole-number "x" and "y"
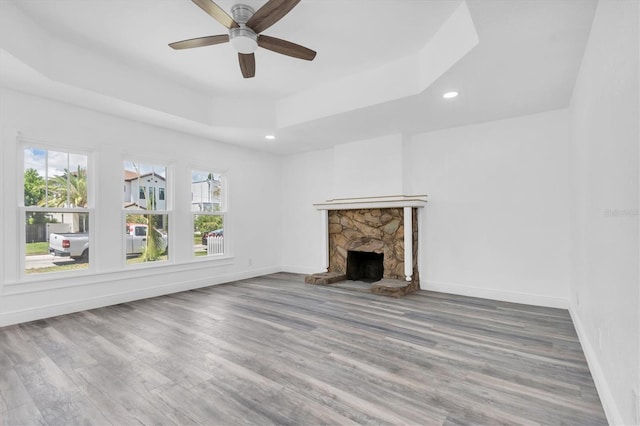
{"x": 23, "y": 210}
{"x": 223, "y": 212}
{"x": 168, "y": 210}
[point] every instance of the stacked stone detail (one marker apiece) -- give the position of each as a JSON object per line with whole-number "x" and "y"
{"x": 370, "y": 230}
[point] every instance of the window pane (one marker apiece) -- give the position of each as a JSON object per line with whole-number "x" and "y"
{"x": 64, "y": 235}
{"x": 208, "y": 235}
{"x": 75, "y": 179}
{"x": 142, "y": 245}
{"x": 58, "y": 180}
{"x": 54, "y": 179}
{"x": 206, "y": 191}
{"x": 141, "y": 181}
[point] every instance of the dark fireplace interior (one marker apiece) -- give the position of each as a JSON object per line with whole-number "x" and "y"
{"x": 364, "y": 266}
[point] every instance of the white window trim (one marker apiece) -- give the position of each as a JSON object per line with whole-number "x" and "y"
{"x": 224, "y": 212}
{"x": 168, "y": 211}
{"x": 24, "y": 143}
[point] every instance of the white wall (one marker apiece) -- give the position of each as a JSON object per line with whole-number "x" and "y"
{"x": 254, "y": 203}
{"x": 371, "y": 167}
{"x": 496, "y": 223}
{"x": 604, "y": 291}
{"x": 306, "y": 179}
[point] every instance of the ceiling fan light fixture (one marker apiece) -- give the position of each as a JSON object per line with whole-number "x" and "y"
{"x": 244, "y": 27}
{"x": 243, "y": 40}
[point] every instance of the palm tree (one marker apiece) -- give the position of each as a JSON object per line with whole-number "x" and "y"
{"x": 67, "y": 190}
{"x": 152, "y": 251}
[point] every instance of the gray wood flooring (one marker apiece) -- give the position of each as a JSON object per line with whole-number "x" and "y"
{"x": 273, "y": 350}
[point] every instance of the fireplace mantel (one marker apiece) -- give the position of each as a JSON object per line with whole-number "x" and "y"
{"x": 373, "y": 202}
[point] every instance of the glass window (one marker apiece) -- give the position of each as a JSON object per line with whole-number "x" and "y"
{"x": 56, "y": 210}
{"x": 146, "y": 214}
{"x": 209, "y": 212}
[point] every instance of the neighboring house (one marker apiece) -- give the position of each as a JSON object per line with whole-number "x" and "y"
{"x": 68, "y": 222}
{"x": 205, "y": 195}
{"x": 138, "y": 188}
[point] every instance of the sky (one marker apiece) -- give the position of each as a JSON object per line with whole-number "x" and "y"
{"x": 52, "y": 163}
{"x": 144, "y": 168}
{"x": 201, "y": 176}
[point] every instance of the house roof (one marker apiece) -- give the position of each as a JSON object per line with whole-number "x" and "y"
{"x": 381, "y": 67}
{"x": 133, "y": 205}
{"x": 129, "y": 176}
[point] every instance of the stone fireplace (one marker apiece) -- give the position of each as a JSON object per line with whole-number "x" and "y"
{"x": 372, "y": 240}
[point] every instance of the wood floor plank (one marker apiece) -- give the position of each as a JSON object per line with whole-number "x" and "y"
{"x": 273, "y": 350}
{"x": 58, "y": 399}
{"x": 12, "y": 391}
{"x": 26, "y": 414}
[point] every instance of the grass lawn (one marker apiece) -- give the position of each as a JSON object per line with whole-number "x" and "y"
{"x": 58, "y": 268}
{"x": 37, "y": 248}
{"x": 138, "y": 259}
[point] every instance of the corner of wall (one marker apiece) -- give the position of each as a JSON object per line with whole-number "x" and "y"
{"x": 604, "y": 392}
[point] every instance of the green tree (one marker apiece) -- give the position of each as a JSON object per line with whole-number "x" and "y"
{"x": 34, "y": 192}
{"x": 206, "y": 223}
{"x": 34, "y": 188}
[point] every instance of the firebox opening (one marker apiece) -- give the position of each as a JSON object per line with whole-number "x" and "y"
{"x": 364, "y": 266}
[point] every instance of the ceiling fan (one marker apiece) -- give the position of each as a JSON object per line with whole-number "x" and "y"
{"x": 244, "y": 32}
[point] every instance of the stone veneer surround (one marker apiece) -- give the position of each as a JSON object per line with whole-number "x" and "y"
{"x": 376, "y": 230}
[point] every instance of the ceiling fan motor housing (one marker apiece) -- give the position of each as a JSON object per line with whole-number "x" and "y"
{"x": 243, "y": 39}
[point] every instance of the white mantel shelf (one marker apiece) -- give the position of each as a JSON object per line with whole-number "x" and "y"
{"x": 391, "y": 201}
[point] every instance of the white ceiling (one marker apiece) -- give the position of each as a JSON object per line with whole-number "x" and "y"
{"x": 526, "y": 60}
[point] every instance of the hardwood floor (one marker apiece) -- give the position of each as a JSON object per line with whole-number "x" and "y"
{"x": 273, "y": 350}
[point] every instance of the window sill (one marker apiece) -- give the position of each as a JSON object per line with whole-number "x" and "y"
{"x": 63, "y": 279}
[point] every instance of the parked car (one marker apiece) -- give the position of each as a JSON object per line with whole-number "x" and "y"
{"x": 76, "y": 245}
{"x": 216, "y": 233}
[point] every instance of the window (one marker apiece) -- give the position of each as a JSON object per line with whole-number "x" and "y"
{"x": 161, "y": 194}
{"x": 209, "y": 212}
{"x": 56, "y": 210}
{"x": 146, "y": 216}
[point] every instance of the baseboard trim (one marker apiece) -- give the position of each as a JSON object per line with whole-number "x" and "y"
{"x": 504, "y": 296}
{"x": 604, "y": 392}
{"x": 32, "y": 314}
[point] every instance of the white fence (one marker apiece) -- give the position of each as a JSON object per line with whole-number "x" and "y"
{"x": 215, "y": 245}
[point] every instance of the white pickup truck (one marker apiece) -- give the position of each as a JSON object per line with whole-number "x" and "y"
{"x": 76, "y": 245}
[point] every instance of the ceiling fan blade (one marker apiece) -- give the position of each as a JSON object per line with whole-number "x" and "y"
{"x": 217, "y": 13}
{"x": 247, "y": 64}
{"x": 200, "y": 41}
{"x": 269, "y": 14}
{"x": 286, "y": 48}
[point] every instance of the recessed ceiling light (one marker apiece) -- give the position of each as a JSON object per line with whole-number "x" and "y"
{"x": 270, "y": 137}
{"x": 450, "y": 95}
